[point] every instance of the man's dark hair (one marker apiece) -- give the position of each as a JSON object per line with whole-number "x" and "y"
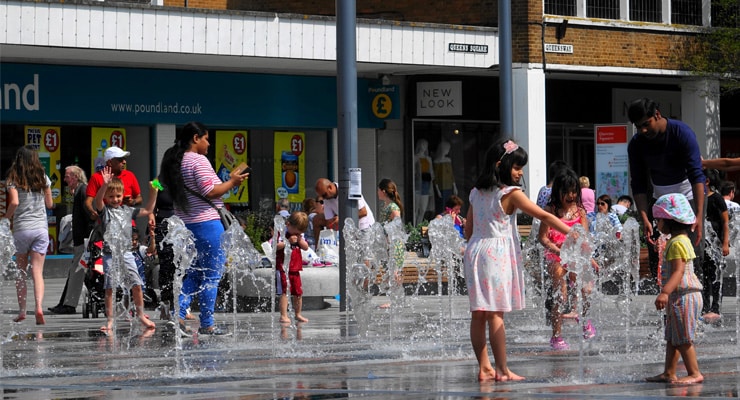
{"x": 626, "y": 197}
{"x": 727, "y": 188}
{"x": 641, "y": 108}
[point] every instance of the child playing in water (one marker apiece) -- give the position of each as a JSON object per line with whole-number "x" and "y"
{"x": 112, "y": 210}
{"x": 493, "y": 257}
{"x": 681, "y": 294}
{"x": 565, "y": 204}
{"x": 295, "y": 226}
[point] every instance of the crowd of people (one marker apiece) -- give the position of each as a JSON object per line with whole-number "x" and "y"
{"x": 684, "y": 198}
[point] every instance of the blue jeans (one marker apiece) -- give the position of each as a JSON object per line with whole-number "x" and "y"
{"x": 203, "y": 276}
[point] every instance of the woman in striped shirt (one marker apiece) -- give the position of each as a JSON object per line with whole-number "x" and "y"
{"x": 190, "y": 178}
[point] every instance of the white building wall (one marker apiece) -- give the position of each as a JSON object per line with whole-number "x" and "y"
{"x": 530, "y": 123}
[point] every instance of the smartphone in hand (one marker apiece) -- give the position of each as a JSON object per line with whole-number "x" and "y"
{"x": 239, "y": 169}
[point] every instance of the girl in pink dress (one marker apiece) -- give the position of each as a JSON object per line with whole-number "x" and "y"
{"x": 565, "y": 204}
{"x": 493, "y": 256}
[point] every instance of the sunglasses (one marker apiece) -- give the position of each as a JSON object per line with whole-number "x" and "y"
{"x": 601, "y": 203}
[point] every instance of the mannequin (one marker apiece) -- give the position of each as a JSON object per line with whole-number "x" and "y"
{"x": 423, "y": 177}
{"x": 444, "y": 176}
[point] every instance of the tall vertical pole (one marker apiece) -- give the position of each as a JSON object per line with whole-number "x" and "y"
{"x": 346, "y": 125}
{"x": 506, "y": 91}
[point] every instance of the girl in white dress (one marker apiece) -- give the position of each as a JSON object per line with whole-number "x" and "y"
{"x": 493, "y": 255}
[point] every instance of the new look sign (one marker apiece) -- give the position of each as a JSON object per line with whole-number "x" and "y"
{"x": 439, "y": 98}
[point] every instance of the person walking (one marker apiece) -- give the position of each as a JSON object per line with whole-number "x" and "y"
{"x": 493, "y": 257}
{"x": 76, "y": 181}
{"x": 29, "y": 195}
{"x": 189, "y": 177}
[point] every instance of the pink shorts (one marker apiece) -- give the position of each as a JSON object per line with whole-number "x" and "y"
{"x": 36, "y": 240}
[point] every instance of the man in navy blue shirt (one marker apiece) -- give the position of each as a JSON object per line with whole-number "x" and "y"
{"x": 664, "y": 154}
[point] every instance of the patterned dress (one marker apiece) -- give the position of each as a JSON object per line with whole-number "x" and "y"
{"x": 685, "y": 303}
{"x": 385, "y": 212}
{"x": 493, "y": 256}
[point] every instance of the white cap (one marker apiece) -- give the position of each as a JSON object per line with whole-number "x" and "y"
{"x": 115, "y": 152}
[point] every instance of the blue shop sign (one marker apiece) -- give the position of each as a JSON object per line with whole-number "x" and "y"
{"x": 132, "y": 96}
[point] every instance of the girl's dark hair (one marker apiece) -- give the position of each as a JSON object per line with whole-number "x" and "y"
{"x": 554, "y": 169}
{"x": 565, "y": 182}
{"x": 391, "y": 190}
{"x": 675, "y": 227}
{"x": 493, "y": 175}
{"x": 27, "y": 173}
{"x": 715, "y": 181}
{"x": 454, "y": 201}
{"x": 170, "y": 170}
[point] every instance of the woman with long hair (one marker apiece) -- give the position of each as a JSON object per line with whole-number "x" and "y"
{"x": 190, "y": 179}
{"x": 29, "y": 195}
{"x": 392, "y": 207}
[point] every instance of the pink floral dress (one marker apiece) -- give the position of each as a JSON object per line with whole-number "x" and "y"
{"x": 493, "y": 255}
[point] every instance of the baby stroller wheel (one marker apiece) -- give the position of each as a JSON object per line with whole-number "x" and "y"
{"x": 86, "y": 309}
{"x": 95, "y": 310}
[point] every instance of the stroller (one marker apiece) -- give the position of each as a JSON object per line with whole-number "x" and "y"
{"x": 93, "y": 302}
{"x": 94, "y": 299}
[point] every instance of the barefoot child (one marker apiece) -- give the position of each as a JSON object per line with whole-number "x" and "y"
{"x": 295, "y": 226}
{"x": 112, "y": 210}
{"x": 681, "y": 294}
{"x": 493, "y": 257}
{"x": 565, "y": 204}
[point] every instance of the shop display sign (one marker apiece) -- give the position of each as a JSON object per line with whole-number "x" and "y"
{"x": 101, "y": 139}
{"x": 290, "y": 167}
{"x": 439, "y": 98}
{"x": 231, "y": 151}
{"x": 46, "y": 140}
{"x": 612, "y": 164}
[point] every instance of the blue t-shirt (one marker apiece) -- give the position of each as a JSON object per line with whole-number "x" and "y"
{"x": 668, "y": 159}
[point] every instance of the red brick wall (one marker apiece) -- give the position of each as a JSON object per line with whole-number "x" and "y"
{"x": 593, "y": 45}
{"x": 463, "y": 12}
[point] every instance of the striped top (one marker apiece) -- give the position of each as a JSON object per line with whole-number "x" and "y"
{"x": 198, "y": 175}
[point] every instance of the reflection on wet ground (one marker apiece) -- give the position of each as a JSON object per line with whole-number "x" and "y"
{"x": 418, "y": 350}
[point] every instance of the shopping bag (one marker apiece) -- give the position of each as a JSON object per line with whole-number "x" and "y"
{"x": 329, "y": 246}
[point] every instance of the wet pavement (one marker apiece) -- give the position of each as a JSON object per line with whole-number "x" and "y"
{"x": 418, "y": 350}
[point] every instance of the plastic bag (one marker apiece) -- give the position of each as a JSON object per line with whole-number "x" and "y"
{"x": 328, "y": 246}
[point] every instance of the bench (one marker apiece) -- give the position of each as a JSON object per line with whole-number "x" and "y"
{"x": 524, "y": 231}
{"x": 254, "y": 290}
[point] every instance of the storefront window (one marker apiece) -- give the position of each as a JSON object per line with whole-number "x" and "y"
{"x": 447, "y": 159}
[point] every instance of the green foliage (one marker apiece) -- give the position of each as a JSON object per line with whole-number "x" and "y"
{"x": 715, "y": 52}
{"x": 257, "y": 226}
{"x": 413, "y": 243}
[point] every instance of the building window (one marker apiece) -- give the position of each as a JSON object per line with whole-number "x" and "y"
{"x": 561, "y": 7}
{"x": 686, "y": 12}
{"x": 645, "y": 10}
{"x": 607, "y": 9}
